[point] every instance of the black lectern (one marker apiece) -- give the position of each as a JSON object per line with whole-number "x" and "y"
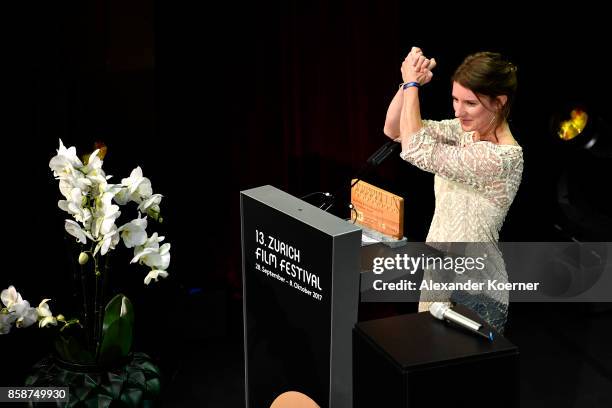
{"x": 301, "y": 287}
{"x": 414, "y": 360}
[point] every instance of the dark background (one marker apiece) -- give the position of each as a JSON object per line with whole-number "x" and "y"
{"x": 217, "y": 99}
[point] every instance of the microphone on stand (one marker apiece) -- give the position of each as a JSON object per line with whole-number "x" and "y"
{"x": 376, "y": 158}
{"x": 373, "y": 161}
{"x": 383, "y": 152}
{"x": 442, "y": 311}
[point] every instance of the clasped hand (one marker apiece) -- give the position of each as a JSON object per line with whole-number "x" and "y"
{"x": 417, "y": 68}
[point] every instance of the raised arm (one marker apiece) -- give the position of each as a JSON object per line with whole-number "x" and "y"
{"x": 415, "y": 68}
{"x": 392, "y": 128}
{"x": 392, "y": 120}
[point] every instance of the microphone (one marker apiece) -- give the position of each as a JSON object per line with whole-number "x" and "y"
{"x": 376, "y": 159}
{"x": 373, "y": 161}
{"x": 442, "y": 311}
{"x": 383, "y": 152}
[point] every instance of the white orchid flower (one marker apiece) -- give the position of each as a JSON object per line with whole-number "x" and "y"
{"x": 143, "y": 253}
{"x": 26, "y": 315}
{"x": 111, "y": 189}
{"x": 104, "y": 200}
{"x": 122, "y": 197}
{"x": 158, "y": 258}
{"x": 98, "y": 178}
{"x": 144, "y": 191}
{"x": 6, "y": 322}
{"x": 164, "y": 253}
{"x": 69, "y": 153}
{"x": 94, "y": 163}
{"x": 10, "y": 297}
{"x": 74, "y": 229}
{"x": 154, "y": 274}
{"x": 78, "y": 179}
{"x": 133, "y": 181}
{"x": 138, "y": 187}
{"x": 20, "y": 309}
{"x": 61, "y": 166}
{"x": 68, "y": 206}
{"x": 134, "y": 232}
{"x": 65, "y": 187}
{"x": 65, "y": 161}
{"x": 94, "y": 203}
{"x": 150, "y": 203}
{"x": 109, "y": 241}
{"x": 44, "y": 313}
{"x": 154, "y": 240}
{"x": 103, "y": 220}
{"x": 75, "y": 196}
{"x": 110, "y": 215}
{"x": 64, "y": 170}
{"x": 74, "y": 206}
{"x": 151, "y": 244}
{"x": 74, "y": 180}
{"x": 95, "y": 175}
{"x": 84, "y": 217}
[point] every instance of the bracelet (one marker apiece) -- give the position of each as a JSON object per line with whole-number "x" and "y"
{"x": 409, "y": 84}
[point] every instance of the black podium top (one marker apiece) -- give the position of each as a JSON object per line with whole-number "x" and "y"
{"x": 418, "y": 340}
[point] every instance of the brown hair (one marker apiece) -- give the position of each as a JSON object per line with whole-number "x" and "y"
{"x": 489, "y": 74}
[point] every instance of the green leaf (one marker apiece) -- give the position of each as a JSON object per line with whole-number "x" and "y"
{"x": 116, "y": 342}
{"x": 116, "y": 331}
{"x": 112, "y": 312}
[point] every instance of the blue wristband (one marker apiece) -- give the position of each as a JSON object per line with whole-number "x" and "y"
{"x": 409, "y": 84}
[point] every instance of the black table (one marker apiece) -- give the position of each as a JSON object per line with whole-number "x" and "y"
{"x": 415, "y": 360}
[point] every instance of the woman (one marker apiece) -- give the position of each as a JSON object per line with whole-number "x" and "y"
{"x": 476, "y": 161}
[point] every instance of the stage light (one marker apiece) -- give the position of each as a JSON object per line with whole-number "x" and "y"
{"x": 584, "y": 135}
{"x": 577, "y": 126}
{"x": 574, "y": 125}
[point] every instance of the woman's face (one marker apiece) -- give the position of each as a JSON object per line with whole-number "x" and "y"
{"x": 473, "y": 114}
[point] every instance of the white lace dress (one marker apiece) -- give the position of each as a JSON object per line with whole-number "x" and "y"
{"x": 474, "y": 184}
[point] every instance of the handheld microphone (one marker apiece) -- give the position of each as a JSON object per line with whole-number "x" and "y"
{"x": 442, "y": 311}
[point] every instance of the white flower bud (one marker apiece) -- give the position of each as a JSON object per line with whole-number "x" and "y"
{"x": 83, "y": 258}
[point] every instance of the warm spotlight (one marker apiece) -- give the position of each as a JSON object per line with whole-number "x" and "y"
{"x": 577, "y": 126}
{"x": 574, "y": 125}
{"x": 585, "y": 136}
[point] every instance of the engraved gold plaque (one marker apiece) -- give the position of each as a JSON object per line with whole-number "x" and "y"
{"x": 378, "y": 209}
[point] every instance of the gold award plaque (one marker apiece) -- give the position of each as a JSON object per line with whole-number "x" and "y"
{"x": 378, "y": 209}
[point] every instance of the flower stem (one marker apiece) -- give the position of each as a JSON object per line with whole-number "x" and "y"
{"x": 97, "y": 311}
{"x": 103, "y": 282}
{"x": 85, "y": 306}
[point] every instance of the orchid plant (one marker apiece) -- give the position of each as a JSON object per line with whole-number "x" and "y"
{"x": 94, "y": 206}
{"x": 19, "y": 312}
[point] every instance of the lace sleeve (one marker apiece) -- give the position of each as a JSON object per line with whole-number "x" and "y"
{"x": 444, "y": 131}
{"x": 482, "y": 165}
